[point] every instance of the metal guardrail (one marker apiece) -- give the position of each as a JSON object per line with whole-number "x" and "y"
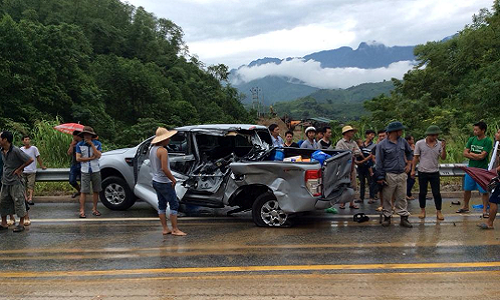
{"x": 446, "y": 170}
{"x": 52, "y": 174}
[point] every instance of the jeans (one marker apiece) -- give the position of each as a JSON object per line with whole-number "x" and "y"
{"x": 364, "y": 176}
{"x": 434, "y": 180}
{"x": 74, "y": 173}
{"x": 166, "y": 194}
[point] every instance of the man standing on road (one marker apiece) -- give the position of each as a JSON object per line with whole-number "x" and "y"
{"x": 74, "y": 171}
{"x": 310, "y": 142}
{"x": 365, "y": 168}
{"x": 29, "y": 173}
{"x": 163, "y": 180}
{"x": 348, "y": 143}
{"x": 12, "y": 199}
{"x": 325, "y": 142}
{"x": 275, "y": 136}
{"x": 427, "y": 154}
{"x": 88, "y": 152}
{"x": 394, "y": 157}
{"x": 477, "y": 151}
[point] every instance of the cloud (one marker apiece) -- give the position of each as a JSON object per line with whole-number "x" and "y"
{"x": 311, "y": 73}
{"x": 235, "y": 32}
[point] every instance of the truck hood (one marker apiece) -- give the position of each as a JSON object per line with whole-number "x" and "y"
{"x": 115, "y": 152}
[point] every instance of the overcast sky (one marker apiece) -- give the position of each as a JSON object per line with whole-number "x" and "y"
{"x": 236, "y": 32}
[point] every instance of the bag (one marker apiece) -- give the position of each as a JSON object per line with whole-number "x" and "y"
{"x": 320, "y": 156}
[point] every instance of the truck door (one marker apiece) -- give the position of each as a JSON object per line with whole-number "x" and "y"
{"x": 336, "y": 174}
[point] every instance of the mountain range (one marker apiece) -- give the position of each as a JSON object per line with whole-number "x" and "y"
{"x": 279, "y": 88}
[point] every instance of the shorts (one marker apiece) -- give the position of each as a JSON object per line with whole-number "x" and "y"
{"x": 166, "y": 193}
{"x": 471, "y": 185}
{"x": 12, "y": 200}
{"x": 89, "y": 179}
{"x": 495, "y": 197}
{"x": 29, "y": 180}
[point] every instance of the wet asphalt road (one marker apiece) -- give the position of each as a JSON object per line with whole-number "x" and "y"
{"x": 123, "y": 255}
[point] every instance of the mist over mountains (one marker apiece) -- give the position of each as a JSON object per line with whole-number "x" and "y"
{"x": 291, "y": 78}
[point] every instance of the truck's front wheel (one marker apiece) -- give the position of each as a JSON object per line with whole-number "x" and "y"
{"x": 267, "y": 212}
{"x": 115, "y": 194}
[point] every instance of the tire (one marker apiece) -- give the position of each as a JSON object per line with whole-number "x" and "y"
{"x": 115, "y": 194}
{"x": 267, "y": 213}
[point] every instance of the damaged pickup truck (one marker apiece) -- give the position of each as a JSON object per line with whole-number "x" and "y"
{"x": 231, "y": 165}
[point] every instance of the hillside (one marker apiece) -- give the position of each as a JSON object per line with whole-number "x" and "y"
{"x": 106, "y": 64}
{"x": 335, "y": 104}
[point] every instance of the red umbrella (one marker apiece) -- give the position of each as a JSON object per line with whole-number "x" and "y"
{"x": 69, "y": 127}
{"x": 481, "y": 176}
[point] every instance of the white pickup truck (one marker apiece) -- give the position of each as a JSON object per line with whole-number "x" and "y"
{"x": 230, "y": 165}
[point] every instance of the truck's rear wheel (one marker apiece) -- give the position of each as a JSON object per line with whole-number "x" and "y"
{"x": 266, "y": 212}
{"x": 115, "y": 194}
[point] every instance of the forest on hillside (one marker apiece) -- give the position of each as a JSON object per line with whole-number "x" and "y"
{"x": 455, "y": 84}
{"x": 106, "y": 64}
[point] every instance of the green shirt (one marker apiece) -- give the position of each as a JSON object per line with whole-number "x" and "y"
{"x": 477, "y": 146}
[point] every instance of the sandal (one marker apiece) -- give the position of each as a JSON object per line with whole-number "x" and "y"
{"x": 353, "y": 207}
{"x": 96, "y": 213}
{"x": 82, "y": 215}
{"x": 463, "y": 211}
{"x": 486, "y": 216}
{"x": 18, "y": 228}
{"x": 342, "y": 207}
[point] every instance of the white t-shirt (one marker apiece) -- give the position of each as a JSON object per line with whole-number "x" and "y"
{"x": 33, "y": 153}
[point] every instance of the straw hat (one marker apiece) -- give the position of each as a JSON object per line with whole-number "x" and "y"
{"x": 89, "y": 130}
{"x": 163, "y": 134}
{"x": 347, "y": 129}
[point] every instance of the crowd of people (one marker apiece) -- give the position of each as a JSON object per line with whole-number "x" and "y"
{"x": 18, "y": 168}
{"x": 388, "y": 167}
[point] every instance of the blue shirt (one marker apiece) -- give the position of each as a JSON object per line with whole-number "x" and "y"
{"x": 391, "y": 157}
{"x": 87, "y": 151}
{"x": 277, "y": 142}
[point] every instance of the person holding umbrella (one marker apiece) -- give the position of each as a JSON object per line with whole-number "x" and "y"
{"x": 74, "y": 171}
{"x": 88, "y": 152}
{"x": 427, "y": 154}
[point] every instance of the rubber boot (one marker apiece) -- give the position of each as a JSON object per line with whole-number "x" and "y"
{"x": 405, "y": 222}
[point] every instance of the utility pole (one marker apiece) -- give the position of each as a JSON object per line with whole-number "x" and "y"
{"x": 255, "y": 99}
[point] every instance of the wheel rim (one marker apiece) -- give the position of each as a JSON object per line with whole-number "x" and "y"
{"x": 115, "y": 194}
{"x": 272, "y": 214}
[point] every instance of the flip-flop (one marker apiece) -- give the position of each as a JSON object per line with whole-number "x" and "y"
{"x": 82, "y": 215}
{"x": 3, "y": 228}
{"x": 462, "y": 211}
{"x": 353, "y": 207}
{"x": 179, "y": 234}
{"x": 96, "y": 213}
{"x": 342, "y": 207}
{"x": 486, "y": 216}
{"x": 455, "y": 202}
{"x": 484, "y": 226}
{"x": 18, "y": 228}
